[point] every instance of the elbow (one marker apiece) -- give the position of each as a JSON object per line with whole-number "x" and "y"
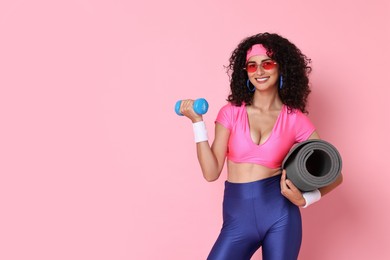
{"x": 210, "y": 179}
{"x": 340, "y": 179}
{"x": 211, "y": 176}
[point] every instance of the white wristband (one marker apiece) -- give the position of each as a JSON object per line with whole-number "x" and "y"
{"x": 200, "y": 132}
{"x": 311, "y": 197}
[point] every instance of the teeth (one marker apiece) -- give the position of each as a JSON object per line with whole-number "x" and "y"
{"x": 262, "y": 79}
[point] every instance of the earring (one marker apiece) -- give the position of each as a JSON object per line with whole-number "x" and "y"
{"x": 280, "y": 82}
{"x": 248, "y": 83}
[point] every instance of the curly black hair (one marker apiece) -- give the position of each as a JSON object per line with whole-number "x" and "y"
{"x": 293, "y": 66}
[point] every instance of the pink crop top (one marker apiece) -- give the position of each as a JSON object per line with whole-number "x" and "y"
{"x": 289, "y": 128}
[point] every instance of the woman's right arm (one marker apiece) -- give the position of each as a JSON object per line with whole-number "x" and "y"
{"x": 211, "y": 159}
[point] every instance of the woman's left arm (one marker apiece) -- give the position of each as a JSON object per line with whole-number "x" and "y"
{"x": 292, "y": 193}
{"x": 337, "y": 182}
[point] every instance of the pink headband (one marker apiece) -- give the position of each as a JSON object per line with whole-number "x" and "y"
{"x": 256, "y": 49}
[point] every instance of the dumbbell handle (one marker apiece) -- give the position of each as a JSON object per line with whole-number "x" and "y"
{"x": 200, "y": 106}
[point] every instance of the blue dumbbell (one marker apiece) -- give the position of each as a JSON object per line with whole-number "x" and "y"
{"x": 200, "y": 106}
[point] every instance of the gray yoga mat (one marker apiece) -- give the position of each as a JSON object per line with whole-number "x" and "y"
{"x": 312, "y": 164}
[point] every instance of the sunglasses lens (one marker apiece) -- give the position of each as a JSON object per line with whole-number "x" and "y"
{"x": 267, "y": 65}
{"x": 251, "y": 67}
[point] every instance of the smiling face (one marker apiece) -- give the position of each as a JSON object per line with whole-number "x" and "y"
{"x": 266, "y": 74}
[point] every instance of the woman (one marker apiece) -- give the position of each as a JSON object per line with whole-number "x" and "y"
{"x": 264, "y": 118}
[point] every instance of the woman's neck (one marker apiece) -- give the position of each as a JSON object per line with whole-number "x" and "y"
{"x": 267, "y": 100}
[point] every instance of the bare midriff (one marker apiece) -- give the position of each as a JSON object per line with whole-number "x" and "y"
{"x": 249, "y": 172}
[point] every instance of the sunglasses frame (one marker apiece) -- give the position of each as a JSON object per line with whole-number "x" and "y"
{"x": 274, "y": 63}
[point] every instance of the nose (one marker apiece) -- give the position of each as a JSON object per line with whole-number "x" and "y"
{"x": 259, "y": 69}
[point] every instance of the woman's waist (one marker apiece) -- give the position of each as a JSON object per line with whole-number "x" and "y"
{"x": 249, "y": 172}
{"x": 267, "y": 189}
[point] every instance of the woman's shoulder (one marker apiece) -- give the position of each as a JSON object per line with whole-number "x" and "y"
{"x": 296, "y": 117}
{"x": 232, "y": 107}
{"x": 229, "y": 114}
{"x": 294, "y": 112}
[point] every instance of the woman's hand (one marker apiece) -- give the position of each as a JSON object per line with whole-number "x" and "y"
{"x": 187, "y": 109}
{"x": 291, "y": 192}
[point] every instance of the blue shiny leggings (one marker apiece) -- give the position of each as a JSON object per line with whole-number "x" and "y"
{"x": 255, "y": 215}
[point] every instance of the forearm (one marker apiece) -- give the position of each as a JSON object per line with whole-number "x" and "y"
{"x": 339, "y": 180}
{"x": 329, "y": 188}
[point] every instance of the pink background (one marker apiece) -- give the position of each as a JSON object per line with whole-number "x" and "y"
{"x": 95, "y": 164}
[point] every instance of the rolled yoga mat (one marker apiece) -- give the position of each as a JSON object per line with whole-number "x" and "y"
{"x": 312, "y": 164}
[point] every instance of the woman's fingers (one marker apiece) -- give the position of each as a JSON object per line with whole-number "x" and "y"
{"x": 290, "y": 191}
